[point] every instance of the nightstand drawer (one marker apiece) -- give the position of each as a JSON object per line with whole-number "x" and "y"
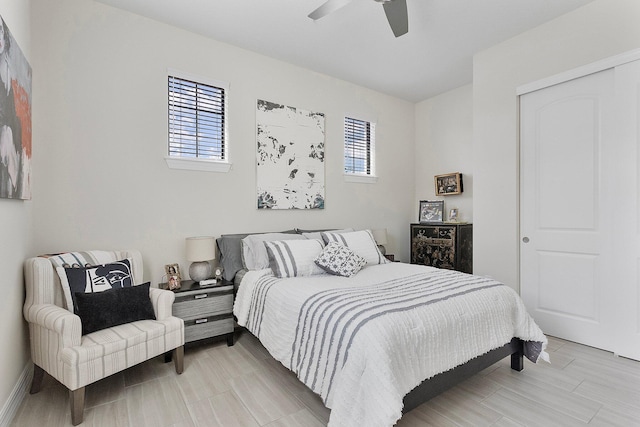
{"x": 203, "y": 304}
{"x": 207, "y": 327}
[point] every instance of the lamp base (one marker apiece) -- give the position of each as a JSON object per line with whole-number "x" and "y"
{"x": 383, "y": 250}
{"x": 199, "y": 270}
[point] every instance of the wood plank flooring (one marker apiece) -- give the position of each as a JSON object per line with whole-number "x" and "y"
{"x": 244, "y": 386}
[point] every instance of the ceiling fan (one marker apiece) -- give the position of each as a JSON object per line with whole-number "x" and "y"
{"x": 396, "y": 11}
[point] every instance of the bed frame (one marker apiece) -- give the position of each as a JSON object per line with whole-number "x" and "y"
{"x": 442, "y": 382}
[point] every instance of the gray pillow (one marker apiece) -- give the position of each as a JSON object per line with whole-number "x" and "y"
{"x": 230, "y": 251}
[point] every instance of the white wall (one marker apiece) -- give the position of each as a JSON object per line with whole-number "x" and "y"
{"x": 15, "y": 223}
{"x": 101, "y": 95}
{"x": 598, "y": 30}
{"x": 444, "y": 144}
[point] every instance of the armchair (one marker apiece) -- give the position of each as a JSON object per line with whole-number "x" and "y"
{"x": 75, "y": 360}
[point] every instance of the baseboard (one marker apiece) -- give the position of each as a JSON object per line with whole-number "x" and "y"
{"x": 8, "y": 411}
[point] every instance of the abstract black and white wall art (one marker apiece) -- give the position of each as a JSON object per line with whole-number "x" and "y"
{"x": 15, "y": 119}
{"x": 290, "y": 157}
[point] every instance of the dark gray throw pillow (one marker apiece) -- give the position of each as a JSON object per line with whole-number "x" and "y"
{"x": 117, "y": 306}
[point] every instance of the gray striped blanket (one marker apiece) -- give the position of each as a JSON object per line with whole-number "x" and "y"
{"x": 380, "y": 333}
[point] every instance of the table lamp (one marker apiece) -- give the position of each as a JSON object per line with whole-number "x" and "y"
{"x": 380, "y": 237}
{"x": 199, "y": 251}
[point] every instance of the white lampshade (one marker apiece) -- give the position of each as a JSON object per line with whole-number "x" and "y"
{"x": 380, "y": 236}
{"x": 201, "y": 248}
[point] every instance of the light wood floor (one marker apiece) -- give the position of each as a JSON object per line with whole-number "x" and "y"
{"x": 243, "y": 386}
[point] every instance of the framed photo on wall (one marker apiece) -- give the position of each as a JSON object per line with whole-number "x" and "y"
{"x": 448, "y": 184}
{"x": 431, "y": 211}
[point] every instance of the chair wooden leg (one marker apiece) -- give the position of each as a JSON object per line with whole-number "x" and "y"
{"x": 178, "y": 358}
{"x": 76, "y": 398}
{"x": 36, "y": 382}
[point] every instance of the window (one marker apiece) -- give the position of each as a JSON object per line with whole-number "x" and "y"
{"x": 197, "y": 123}
{"x": 359, "y": 142}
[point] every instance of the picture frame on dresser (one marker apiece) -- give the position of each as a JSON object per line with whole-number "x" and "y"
{"x": 431, "y": 211}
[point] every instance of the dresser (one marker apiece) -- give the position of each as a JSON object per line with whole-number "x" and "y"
{"x": 207, "y": 311}
{"x": 443, "y": 245}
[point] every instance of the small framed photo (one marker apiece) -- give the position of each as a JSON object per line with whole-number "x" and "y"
{"x": 172, "y": 270}
{"x": 173, "y": 276}
{"x": 173, "y": 282}
{"x": 453, "y": 215}
{"x": 431, "y": 211}
{"x": 448, "y": 184}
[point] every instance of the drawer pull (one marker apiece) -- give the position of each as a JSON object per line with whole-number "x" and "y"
{"x": 198, "y": 321}
{"x": 200, "y": 296}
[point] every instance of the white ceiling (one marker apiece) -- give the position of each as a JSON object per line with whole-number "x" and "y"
{"x": 355, "y": 43}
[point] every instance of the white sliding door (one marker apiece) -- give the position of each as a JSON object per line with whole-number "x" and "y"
{"x": 579, "y": 215}
{"x": 627, "y": 213}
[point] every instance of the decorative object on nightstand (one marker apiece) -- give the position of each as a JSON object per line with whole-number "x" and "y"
{"x": 380, "y": 236}
{"x": 217, "y": 273}
{"x": 200, "y": 250}
{"x": 443, "y": 245}
{"x": 172, "y": 272}
{"x": 207, "y": 311}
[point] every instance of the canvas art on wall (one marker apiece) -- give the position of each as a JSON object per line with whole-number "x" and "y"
{"x": 15, "y": 119}
{"x": 290, "y": 157}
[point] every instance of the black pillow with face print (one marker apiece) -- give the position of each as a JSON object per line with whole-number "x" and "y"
{"x": 96, "y": 278}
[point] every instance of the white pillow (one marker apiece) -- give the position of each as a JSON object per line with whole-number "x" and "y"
{"x": 360, "y": 242}
{"x": 318, "y": 234}
{"x": 254, "y": 253}
{"x": 294, "y": 258}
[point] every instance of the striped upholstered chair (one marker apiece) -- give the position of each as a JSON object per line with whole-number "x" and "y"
{"x": 58, "y": 345}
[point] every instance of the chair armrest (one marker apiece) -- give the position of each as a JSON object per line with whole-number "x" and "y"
{"x": 57, "y": 320}
{"x": 162, "y": 301}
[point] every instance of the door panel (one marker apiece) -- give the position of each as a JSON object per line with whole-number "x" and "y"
{"x": 568, "y": 277}
{"x": 567, "y": 163}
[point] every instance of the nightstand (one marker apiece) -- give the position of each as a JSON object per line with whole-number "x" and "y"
{"x": 207, "y": 311}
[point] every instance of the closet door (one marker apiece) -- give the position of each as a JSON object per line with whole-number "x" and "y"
{"x": 579, "y": 208}
{"x": 627, "y": 212}
{"x": 567, "y": 197}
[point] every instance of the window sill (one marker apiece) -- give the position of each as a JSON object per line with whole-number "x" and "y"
{"x": 186, "y": 163}
{"x": 362, "y": 179}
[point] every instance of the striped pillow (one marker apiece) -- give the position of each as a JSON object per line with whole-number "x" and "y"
{"x": 360, "y": 242}
{"x": 294, "y": 258}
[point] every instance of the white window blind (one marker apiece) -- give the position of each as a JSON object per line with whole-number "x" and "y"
{"x": 359, "y": 137}
{"x": 196, "y": 120}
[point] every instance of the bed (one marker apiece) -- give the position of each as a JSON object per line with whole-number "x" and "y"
{"x": 384, "y": 340}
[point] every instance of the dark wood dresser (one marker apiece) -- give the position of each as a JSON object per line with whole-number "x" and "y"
{"x": 443, "y": 246}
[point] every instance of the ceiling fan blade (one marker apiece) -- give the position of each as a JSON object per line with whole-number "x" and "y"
{"x": 328, "y": 7}
{"x": 396, "y": 11}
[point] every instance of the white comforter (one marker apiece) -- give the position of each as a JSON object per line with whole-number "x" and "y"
{"x": 362, "y": 343}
